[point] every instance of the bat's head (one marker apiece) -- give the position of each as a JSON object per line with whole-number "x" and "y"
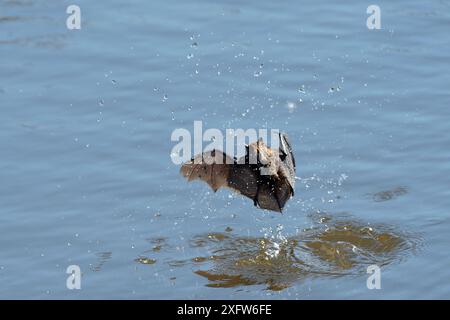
{"x": 263, "y": 157}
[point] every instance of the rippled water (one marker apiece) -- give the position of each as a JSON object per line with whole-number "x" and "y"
{"x": 85, "y": 170}
{"x": 327, "y": 249}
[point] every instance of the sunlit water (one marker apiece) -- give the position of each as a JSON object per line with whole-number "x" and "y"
{"x": 85, "y": 170}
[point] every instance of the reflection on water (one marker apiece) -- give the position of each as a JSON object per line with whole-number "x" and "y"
{"x": 389, "y": 194}
{"x": 18, "y": 3}
{"x": 102, "y": 257}
{"x": 144, "y": 260}
{"x": 332, "y": 246}
{"x": 53, "y": 41}
{"x": 9, "y": 18}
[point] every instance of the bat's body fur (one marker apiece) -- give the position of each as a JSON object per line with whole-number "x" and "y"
{"x": 269, "y": 180}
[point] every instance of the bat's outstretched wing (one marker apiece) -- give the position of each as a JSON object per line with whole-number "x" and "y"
{"x": 287, "y": 166}
{"x": 245, "y": 180}
{"x": 241, "y": 178}
{"x": 213, "y": 167}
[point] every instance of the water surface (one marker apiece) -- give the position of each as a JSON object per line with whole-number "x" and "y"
{"x": 85, "y": 170}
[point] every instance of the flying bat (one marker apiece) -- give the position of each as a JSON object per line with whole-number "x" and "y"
{"x": 264, "y": 175}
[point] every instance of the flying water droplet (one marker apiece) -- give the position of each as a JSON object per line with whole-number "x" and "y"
{"x": 291, "y": 106}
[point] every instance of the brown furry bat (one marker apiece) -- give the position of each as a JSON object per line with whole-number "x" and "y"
{"x": 268, "y": 180}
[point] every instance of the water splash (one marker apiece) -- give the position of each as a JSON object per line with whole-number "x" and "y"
{"x": 273, "y": 240}
{"x": 334, "y": 246}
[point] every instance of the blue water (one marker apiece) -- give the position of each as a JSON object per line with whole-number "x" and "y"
{"x": 85, "y": 169}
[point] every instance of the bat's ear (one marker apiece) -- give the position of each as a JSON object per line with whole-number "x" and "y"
{"x": 284, "y": 143}
{"x": 283, "y": 148}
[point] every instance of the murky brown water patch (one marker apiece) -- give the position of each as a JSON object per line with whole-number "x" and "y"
{"x": 332, "y": 246}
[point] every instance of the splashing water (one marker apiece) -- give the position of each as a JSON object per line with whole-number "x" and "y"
{"x": 335, "y": 245}
{"x": 273, "y": 240}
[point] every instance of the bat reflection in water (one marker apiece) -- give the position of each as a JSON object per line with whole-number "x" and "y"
{"x": 269, "y": 180}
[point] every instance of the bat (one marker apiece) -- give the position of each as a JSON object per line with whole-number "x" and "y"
{"x": 269, "y": 180}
